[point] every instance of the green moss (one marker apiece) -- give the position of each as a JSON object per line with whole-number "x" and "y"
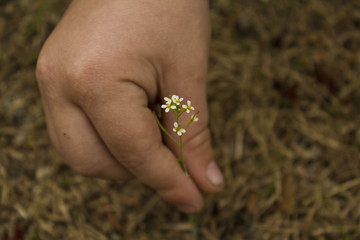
{"x": 34, "y": 235}
{"x": 75, "y": 214}
{"x": 334, "y": 110}
{"x": 356, "y": 100}
{"x": 64, "y": 184}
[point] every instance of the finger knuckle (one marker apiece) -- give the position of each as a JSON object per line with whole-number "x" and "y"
{"x": 43, "y": 68}
{"x": 81, "y": 78}
{"x": 45, "y": 75}
{"x": 75, "y": 77}
{"x": 133, "y": 164}
{"x": 199, "y": 140}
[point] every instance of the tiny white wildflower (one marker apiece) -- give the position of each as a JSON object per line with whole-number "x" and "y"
{"x": 168, "y": 106}
{"x": 168, "y": 100}
{"x": 188, "y": 107}
{"x": 178, "y": 130}
{"x": 176, "y": 99}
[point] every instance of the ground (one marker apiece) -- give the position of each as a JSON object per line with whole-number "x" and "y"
{"x": 284, "y": 100}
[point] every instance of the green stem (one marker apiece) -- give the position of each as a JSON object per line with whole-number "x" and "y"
{"x": 181, "y": 159}
{"x": 193, "y": 221}
{"x": 181, "y": 112}
{"x": 164, "y": 130}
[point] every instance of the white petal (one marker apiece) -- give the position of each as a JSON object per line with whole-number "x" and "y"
{"x": 187, "y": 110}
{"x": 183, "y": 130}
{"x": 176, "y": 124}
{"x": 189, "y": 103}
{"x": 184, "y": 106}
{"x": 173, "y": 107}
{"x": 179, "y": 133}
{"x": 192, "y": 108}
{"x": 174, "y": 129}
{"x": 166, "y": 110}
{"x": 163, "y": 106}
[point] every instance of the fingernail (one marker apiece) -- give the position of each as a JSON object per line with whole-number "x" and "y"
{"x": 214, "y": 175}
{"x": 186, "y": 208}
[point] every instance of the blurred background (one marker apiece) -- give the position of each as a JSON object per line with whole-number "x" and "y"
{"x": 284, "y": 98}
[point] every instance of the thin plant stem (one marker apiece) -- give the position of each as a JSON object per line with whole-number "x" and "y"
{"x": 193, "y": 221}
{"x": 164, "y": 130}
{"x": 181, "y": 112}
{"x": 181, "y": 159}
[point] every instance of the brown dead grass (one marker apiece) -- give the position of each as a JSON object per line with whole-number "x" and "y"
{"x": 284, "y": 97}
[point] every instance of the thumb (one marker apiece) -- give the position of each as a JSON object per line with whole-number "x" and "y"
{"x": 197, "y": 149}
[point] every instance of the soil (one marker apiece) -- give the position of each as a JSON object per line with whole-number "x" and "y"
{"x": 284, "y": 101}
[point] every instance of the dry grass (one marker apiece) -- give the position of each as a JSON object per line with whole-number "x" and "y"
{"x": 284, "y": 97}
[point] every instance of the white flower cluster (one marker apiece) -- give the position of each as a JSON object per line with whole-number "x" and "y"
{"x": 174, "y": 104}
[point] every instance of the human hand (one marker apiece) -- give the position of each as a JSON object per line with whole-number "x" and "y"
{"x": 100, "y": 70}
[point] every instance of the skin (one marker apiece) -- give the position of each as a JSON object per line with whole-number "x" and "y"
{"x": 99, "y": 71}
